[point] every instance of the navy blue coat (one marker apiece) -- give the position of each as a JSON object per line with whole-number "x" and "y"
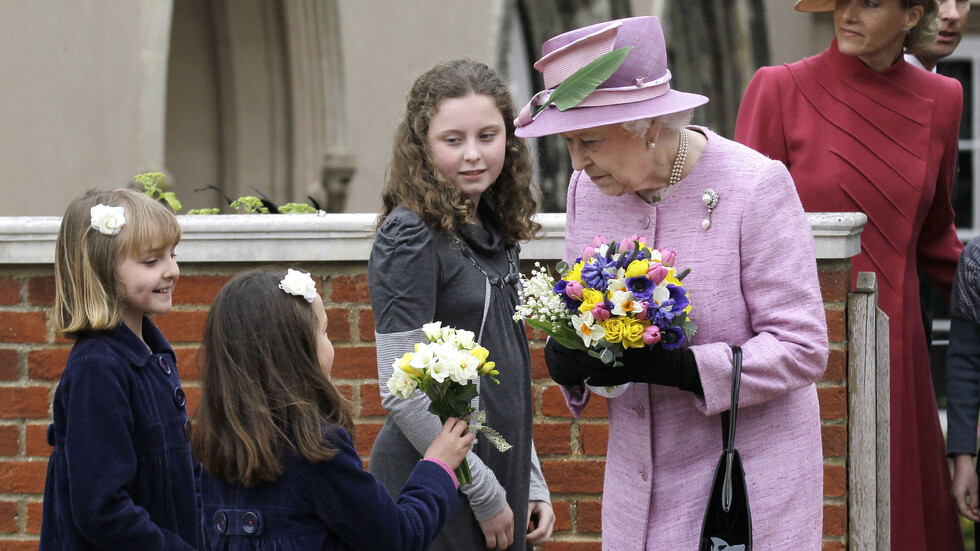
{"x": 121, "y": 475}
{"x": 329, "y": 505}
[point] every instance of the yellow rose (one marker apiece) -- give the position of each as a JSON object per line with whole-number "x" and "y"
{"x": 672, "y": 277}
{"x": 590, "y": 297}
{"x": 480, "y": 353}
{"x": 614, "y": 329}
{"x": 633, "y": 332}
{"x": 637, "y": 268}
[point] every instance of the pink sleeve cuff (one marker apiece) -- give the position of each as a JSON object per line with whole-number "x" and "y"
{"x": 445, "y": 467}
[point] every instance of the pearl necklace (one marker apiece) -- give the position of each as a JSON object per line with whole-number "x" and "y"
{"x": 675, "y": 170}
{"x": 679, "y": 160}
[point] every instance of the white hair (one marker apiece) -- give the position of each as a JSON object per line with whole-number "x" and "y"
{"x": 674, "y": 121}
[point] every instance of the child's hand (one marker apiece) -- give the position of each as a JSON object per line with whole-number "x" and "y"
{"x": 452, "y": 444}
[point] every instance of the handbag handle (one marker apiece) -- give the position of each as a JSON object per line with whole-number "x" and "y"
{"x": 728, "y": 419}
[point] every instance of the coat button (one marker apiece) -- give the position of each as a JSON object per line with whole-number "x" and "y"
{"x": 179, "y": 397}
{"x": 643, "y": 474}
{"x": 164, "y": 367}
{"x": 220, "y": 522}
{"x": 250, "y": 522}
{"x": 187, "y": 430}
{"x": 639, "y": 411}
{"x": 645, "y": 222}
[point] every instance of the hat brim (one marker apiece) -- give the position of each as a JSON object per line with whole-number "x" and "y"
{"x": 812, "y": 6}
{"x": 553, "y": 121}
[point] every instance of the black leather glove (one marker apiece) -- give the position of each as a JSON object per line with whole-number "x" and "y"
{"x": 569, "y": 366}
{"x": 653, "y": 365}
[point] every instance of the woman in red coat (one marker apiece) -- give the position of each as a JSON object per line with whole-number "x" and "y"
{"x": 862, "y": 130}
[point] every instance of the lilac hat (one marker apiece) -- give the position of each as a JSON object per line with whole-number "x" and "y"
{"x": 814, "y": 5}
{"x": 639, "y": 88}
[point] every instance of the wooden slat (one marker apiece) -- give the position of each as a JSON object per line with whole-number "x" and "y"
{"x": 862, "y": 456}
{"x": 883, "y": 398}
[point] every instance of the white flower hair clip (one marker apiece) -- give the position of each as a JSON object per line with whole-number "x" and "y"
{"x": 300, "y": 284}
{"x": 108, "y": 220}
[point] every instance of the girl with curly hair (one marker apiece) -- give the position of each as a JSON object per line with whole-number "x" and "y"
{"x": 457, "y": 203}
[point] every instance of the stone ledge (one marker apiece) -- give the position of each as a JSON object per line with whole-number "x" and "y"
{"x": 338, "y": 237}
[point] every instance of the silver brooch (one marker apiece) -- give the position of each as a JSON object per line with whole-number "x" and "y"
{"x": 710, "y": 200}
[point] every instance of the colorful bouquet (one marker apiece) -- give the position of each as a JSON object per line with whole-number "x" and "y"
{"x": 446, "y": 370}
{"x": 615, "y": 296}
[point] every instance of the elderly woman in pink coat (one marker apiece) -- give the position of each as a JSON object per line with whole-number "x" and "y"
{"x": 733, "y": 217}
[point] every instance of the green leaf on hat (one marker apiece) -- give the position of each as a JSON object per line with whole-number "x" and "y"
{"x": 583, "y": 82}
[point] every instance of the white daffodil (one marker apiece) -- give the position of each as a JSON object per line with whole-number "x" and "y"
{"x": 618, "y": 284}
{"x": 661, "y": 293}
{"x": 624, "y": 303}
{"x": 587, "y": 328}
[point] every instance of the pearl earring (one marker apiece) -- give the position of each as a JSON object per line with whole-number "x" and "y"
{"x": 651, "y": 144}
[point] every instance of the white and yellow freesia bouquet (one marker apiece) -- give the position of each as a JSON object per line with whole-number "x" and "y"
{"x": 446, "y": 369}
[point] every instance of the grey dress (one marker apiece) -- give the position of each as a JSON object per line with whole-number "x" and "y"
{"x": 416, "y": 276}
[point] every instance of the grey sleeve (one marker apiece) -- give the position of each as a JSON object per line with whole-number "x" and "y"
{"x": 539, "y": 487}
{"x": 486, "y": 496}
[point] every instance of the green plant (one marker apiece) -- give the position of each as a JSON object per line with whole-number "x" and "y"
{"x": 153, "y": 184}
{"x": 250, "y": 205}
{"x": 297, "y": 208}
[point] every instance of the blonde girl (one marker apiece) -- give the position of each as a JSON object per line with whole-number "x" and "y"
{"x": 121, "y": 475}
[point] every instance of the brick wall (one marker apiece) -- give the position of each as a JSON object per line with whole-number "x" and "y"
{"x": 571, "y": 450}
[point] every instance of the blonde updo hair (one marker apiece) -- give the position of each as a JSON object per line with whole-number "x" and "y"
{"x": 924, "y": 33}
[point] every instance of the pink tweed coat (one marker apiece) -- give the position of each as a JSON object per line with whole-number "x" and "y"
{"x": 753, "y": 283}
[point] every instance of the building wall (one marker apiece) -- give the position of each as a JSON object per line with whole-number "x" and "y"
{"x": 572, "y": 451}
{"x": 385, "y": 49}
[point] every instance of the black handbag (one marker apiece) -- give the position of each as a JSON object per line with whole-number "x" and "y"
{"x": 727, "y": 522}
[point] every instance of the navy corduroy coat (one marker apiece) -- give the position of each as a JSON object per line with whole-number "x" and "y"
{"x": 121, "y": 475}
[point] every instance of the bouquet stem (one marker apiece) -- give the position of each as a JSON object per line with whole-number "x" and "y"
{"x": 463, "y": 473}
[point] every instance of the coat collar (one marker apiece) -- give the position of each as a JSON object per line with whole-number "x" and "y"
{"x": 122, "y": 339}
